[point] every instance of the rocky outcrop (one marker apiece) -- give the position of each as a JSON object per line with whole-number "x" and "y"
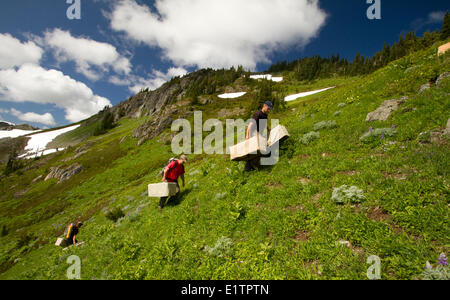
{"x": 385, "y": 110}
{"x": 150, "y": 103}
{"x": 153, "y": 128}
{"x": 424, "y": 87}
{"x": 10, "y": 126}
{"x": 442, "y": 77}
{"x": 63, "y": 174}
{"x": 226, "y": 113}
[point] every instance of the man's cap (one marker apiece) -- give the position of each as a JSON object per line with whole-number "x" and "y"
{"x": 80, "y": 224}
{"x": 184, "y": 158}
{"x": 269, "y": 104}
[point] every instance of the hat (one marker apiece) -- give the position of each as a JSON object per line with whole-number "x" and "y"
{"x": 269, "y": 104}
{"x": 184, "y": 158}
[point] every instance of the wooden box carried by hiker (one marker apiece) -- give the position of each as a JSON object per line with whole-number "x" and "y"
{"x": 443, "y": 49}
{"x": 249, "y": 149}
{"x": 258, "y": 145}
{"x": 278, "y": 134}
{"x": 163, "y": 189}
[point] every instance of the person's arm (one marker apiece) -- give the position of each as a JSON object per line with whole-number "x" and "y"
{"x": 74, "y": 240}
{"x": 165, "y": 174}
{"x": 249, "y": 130}
{"x": 182, "y": 178}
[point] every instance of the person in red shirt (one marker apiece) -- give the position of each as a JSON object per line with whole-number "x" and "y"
{"x": 171, "y": 174}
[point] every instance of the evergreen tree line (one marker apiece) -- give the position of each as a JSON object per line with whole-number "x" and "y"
{"x": 208, "y": 80}
{"x": 106, "y": 123}
{"x": 315, "y": 67}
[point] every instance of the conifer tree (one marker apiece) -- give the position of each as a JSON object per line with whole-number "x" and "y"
{"x": 445, "y": 32}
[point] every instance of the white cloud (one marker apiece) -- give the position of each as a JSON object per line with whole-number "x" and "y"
{"x": 92, "y": 58}
{"x": 434, "y": 17}
{"x": 32, "y": 83}
{"x": 14, "y": 53}
{"x": 156, "y": 80}
{"x": 46, "y": 119}
{"x": 216, "y": 33}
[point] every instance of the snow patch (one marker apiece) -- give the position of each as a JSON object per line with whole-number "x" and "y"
{"x": 9, "y": 123}
{"x": 39, "y": 141}
{"x": 39, "y": 154}
{"x": 232, "y": 95}
{"x": 268, "y": 77}
{"x": 305, "y": 94}
{"x": 15, "y": 133}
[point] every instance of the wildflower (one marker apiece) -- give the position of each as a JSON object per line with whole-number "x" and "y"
{"x": 370, "y": 129}
{"x": 382, "y": 136}
{"x": 443, "y": 260}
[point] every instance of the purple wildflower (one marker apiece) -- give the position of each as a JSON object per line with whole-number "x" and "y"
{"x": 443, "y": 260}
{"x": 382, "y": 136}
{"x": 370, "y": 129}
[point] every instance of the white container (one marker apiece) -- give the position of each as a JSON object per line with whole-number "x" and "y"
{"x": 58, "y": 242}
{"x": 249, "y": 149}
{"x": 278, "y": 134}
{"x": 163, "y": 189}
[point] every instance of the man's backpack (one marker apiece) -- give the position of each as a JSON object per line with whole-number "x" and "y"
{"x": 68, "y": 231}
{"x": 161, "y": 174}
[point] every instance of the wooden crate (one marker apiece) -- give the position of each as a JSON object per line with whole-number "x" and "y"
{"x": 59, "y": 241}
{"x": 163, "y": 189}
{"x": 278, "y": 134}
{"x": 444, "y": 48}
{"x": 249, "y": 149}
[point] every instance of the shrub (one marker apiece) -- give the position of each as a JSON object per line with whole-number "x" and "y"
{"x": 325, "y": 125}
{"x": 115, "y": 214}
{"x": 221, "y": 248}
{"x": 106, "y": 123}
{"x": 13, "y": 164}
{"x": 309, "y": 137}
{"x": 345, "y": 194}
{"x": 378, "y": 133}
{"x": 440, "y": 272}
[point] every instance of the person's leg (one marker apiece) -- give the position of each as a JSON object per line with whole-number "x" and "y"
{"x": 251, "y": 165}
{"x": 162, "y": 202}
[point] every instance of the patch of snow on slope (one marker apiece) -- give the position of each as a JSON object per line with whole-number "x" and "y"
{"x": 268, "y": 77}
{"x": 301, "y": 95}
{"x": 9, "y": 123}
{"x": 232, "y": 95}
{"x": 15, "y": 133}
{"x": 39, "y": 141}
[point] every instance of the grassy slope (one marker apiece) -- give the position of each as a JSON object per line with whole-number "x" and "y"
{"x": 281, "y": 220}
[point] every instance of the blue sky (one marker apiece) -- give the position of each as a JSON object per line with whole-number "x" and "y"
{"x": 55, "y": 71}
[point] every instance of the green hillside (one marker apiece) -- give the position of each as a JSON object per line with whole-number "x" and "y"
{"x": 280, "y": 222}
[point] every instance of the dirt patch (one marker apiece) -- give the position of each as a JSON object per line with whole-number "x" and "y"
{"x": 378, "y": 214}
{"x": 304, "y": 181}
{"x": 316, "y": 198}
{"x": 275, "y": 185}
{"x": 294, "y": 208}
{"x": 301, "y": 236}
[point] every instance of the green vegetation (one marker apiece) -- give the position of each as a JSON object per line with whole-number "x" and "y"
{"x": 106, "y": 123}
{"x": 280, "y": 222}
{"x": 316, "y": 67}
